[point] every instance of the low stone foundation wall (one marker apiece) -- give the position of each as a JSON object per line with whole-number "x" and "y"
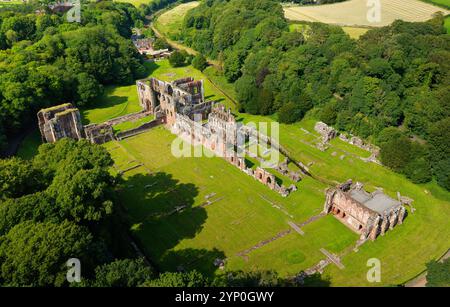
{"x": 144, "y": 127}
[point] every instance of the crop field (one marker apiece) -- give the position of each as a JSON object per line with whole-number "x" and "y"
{"x": 354, "y": 12}
{"x": 353, "y": 32}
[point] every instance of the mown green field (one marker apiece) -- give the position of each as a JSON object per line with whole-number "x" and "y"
{"x": 115, "y": 102}
{"x": 240, "y": 216}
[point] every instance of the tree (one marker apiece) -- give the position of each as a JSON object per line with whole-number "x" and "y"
{"x": 88, "y": 88}
{"x": 36, "y": 207}
{"x": 395, "y": 153}
{"x": 17, "y": 178}
{"x": 36, "y": 254}
{"x": 179, "y": 279}
{"x": 438, "y": 273}
{"x": 122, "y": 273}
{"x": 160, "y": 44}
{"x": 199, "y": 62}
{"x": 178, "y": 58}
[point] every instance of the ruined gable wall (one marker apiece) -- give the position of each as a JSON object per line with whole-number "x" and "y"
{"x": 356, "y": 214}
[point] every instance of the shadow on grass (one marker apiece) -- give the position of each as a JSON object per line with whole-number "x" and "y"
{"x": 161, "y": 212}
{"x": 202, "y": 260}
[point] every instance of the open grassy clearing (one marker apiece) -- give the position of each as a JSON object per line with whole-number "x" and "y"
{"x": 354, "y": 12}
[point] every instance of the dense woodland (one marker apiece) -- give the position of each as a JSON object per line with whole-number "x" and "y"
{"x": 391, "y": 86}
{"x": 45, "y": 60}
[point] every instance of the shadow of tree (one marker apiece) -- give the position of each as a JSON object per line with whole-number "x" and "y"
{"x": 160, "y": 210}
{"x": 316, "y": 280}
{"x": 202, "y": 260}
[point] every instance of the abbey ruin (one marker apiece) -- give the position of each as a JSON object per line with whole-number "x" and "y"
{"x": 180, "y": 105}
{"x": 369, "y": 214}
{"x": 59, "y": 122}
{"x": 186, "y": 113}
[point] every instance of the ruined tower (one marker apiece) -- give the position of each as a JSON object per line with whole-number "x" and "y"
{"x": 59, "y": 122}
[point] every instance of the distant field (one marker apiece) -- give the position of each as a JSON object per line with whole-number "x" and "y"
{"x": 170, "y": 22}
{"x": 136, "y": 3}
{"x": 353, "y": 32}
{"x": 354, "y": 12}
{"x": 442, "y": 3}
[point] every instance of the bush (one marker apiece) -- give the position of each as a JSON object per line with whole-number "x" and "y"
{"x": 200, "y": 62}
{"x": 178, "y": 59}
{"x": 438, "y": 274}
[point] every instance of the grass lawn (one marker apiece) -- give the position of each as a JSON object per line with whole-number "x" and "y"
{"x": 355, "y": 32}
{"x": 132, "y": 124}
{"x": 243, "y": 212}
{"x": 242, "y": 216}
{"x": 115, "y": 102}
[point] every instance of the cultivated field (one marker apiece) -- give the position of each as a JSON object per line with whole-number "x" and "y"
{"x": 353, "y": 32}
{"x": 354, "y": 12}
